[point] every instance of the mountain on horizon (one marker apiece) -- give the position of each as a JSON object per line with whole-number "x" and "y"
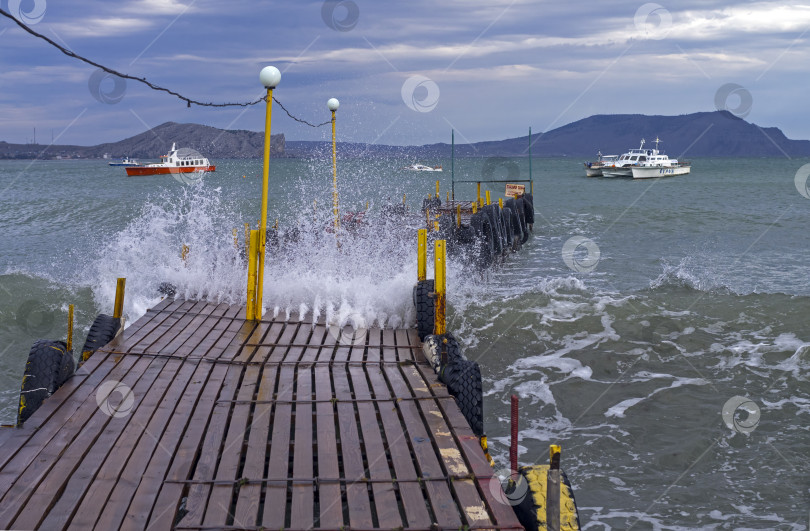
{"x": 702, "y": 134}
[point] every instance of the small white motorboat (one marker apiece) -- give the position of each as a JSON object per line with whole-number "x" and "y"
{"x": 126, "y": 161}
{"x": 422, "y": 167}
{"x": 594, "y": 169}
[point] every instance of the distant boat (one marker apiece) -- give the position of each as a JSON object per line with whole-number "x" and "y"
{"x": 422, "y": 167}
{"x": 183, "y": 160}
{"x": 646, "y": 164}
{"x": 594, "y": 169}
{"x": 126, "y": 161}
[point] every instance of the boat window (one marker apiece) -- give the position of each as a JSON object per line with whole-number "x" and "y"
{"x": 642, "y": 158}
{"x": 634, "y": 157}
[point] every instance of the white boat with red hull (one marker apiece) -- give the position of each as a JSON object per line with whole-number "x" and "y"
{"x": 183, "y": 160}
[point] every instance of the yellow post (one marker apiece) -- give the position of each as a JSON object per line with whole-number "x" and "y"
{"x": 253, "y": 251}
{"x": 436, "y": 226}
{"x": 421, "y": 255}
{"x": 475, "y": 207}
{"x": 70, "y": 329}
{"x": 120, "y": 287}
{"x": 489, "y": 201}
{"x": 531, "y": 187}
{"x": 403, "y": 198}
{"x": 437, "y": 189}
{"x": 440, "y": 287}
{"x": 333, "y": 104}
{"x": 458, "y": 215}
{"x": 366, "y": 206}
{"x": 478, "y": 197}
{"x": 447, "y": 199}
{"x": 270, "y": 78}
{"x": 500, "y": 203}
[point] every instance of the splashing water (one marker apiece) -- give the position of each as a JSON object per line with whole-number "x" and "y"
{"x": 362, "y": 277}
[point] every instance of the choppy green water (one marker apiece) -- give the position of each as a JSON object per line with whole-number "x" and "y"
{"x": 700, "y": 293}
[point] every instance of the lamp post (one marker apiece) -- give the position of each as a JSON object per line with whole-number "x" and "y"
{"x": 333, "y": 105}
{"x": 270, "y": 77}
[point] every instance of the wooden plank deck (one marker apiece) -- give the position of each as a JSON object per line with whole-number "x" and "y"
{"x": 195, "y": 418}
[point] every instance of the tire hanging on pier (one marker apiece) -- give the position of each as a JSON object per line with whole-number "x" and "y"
{"x": 507, "y": 227}
{"x": 103, "y": 330}
{"x": 492, "y": 212}
{"x": 425, "y": 305}
{"x": 520, "y": 204}
{"x": 533, "y": 511}
{"x": 49, "y": 365}
{"x": 529, "y": 212}
{"x": 485, "y": 246}
{"x": 517, "y": 226}
{"x": 461, "y": 376}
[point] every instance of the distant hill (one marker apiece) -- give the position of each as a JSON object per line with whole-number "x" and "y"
{"x": 212, "y": 142}
{"x": 702, "y": 134}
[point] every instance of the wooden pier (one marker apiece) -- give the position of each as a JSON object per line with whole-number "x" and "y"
{"x": 196, "y": 418}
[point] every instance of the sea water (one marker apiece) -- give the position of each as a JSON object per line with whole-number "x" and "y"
{"x": 627, "y": 325}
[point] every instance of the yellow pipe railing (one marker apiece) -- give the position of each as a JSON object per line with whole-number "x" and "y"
{"x": 120, "y": 287}
{"x": 440, "y": 287}
{"x": 253, "y": 252}
{"x": 69, "y": 341}
{"x": 489, "y": 201}
{"x": 421, "y": 255}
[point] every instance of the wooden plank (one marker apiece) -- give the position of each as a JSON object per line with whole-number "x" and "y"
{"x": 473, "y": 454}
{"x": 303, "y": 509}
{"x": 280, "y": 351}
{"x": 249, "y": 499}
{"x": 275, "y": 506}
{"x": 353, "y": 465}
{"x": 329, "y": 495}
{"x": 444, "y": 507}
{"x": 389, "y": 353}
{"x": 79, "y": 440}
{"x": 373, "y": 348}
{"x": 218, "y": 513}
{"x": 142, "y": 344}
{"x": 385, "y": 501}
{"x": 472, "y": 507}
{"x": 169, "y": 492}
{"x": 99, "y": 469}
{"x": 131, "y": 501}
{"x": 124, "y": 460}
{"x": 413, "y": 499}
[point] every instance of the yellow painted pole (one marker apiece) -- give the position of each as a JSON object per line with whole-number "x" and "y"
{"x": 120, "y": 287}
{"x": 475, "y": 207}
{"x": 403, "y": 198}
{"x": 262, "y": 243}
{"x": 478, "y": 197}
{"x": 270, "y": 77}
{"x": 500, "y": 203}
{"x": 440, "y": 287}
{"x": 253, "y": 254}
{"x": 421, "y": 255}
{"x": 437, "y": 189}
{"x": 458, "y": 215}
{"x": 333, "y": 104}
{"x": 436, "y": 226}
{"x": 489, "y": 201}
{"x": 69, "y": 345}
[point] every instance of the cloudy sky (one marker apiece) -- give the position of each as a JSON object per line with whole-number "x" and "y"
{"x": 406, "y": 72}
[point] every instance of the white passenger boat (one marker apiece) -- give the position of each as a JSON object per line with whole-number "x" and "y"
{"x": 594, "y": 169}
{"x": 621, "y": 166}
{"x": 656, "y": 164}
{"x": 183, "y": 160}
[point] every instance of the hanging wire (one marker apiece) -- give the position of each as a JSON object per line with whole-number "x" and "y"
{"x": 189, "y": 101}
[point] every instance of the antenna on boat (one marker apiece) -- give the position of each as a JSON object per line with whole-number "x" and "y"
{"x": 642, "y": 144}
{"x": 657, "y": 140}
